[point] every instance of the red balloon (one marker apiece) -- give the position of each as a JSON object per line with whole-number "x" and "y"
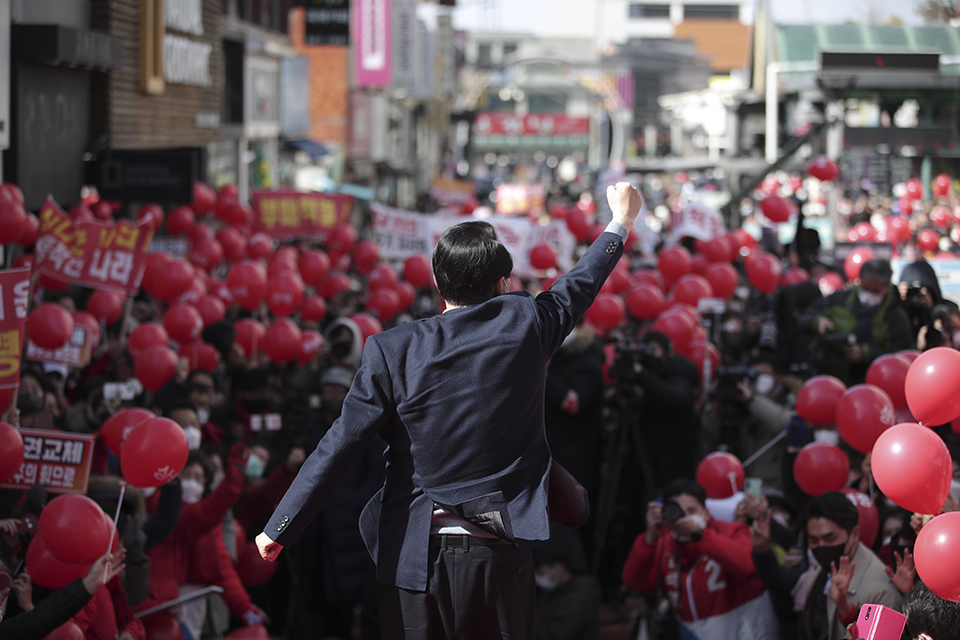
{"x": 239, "y": 215}
{"x": 253, "y": 632}
{"x": 723, "y": 279}
{"x": 818, "y": 399}
{"x": 823, "y": 168}
{"x": 314, "y": 267}
{"x": 233, "y": 243}
{"x": 674, "y": 262}
{"x": 941, "y": 185}
{"x": 14, "y": 192}
{"x": 13, "y": 222}
{"x": 118, "y": 426}
{"x": 936, "y": 558}
{"x": 912, "y": 467}
{"x": 543, "y": 256}
{"x": 204, "y": 200}
{"x": 341, "y": 239}
{"x": 689, "y": 289}
{"x": 211, "y": 308}
{"x": 48, "y": 571}
{"x": 207, "y": 254}
{"x": 368, "y": 325}
{"x": 153, "y": 269}
{"x": 775, "y": 208}
{"x": 162, "y": 626}
{"x": 49, "y": 326}
{"x": 868, "y": 516}
{"x": 285, "y": 294}
{"x": 193, "y": 293}
{"x": 228, "y": 192}
{"x": 941, "y": 217}
{"x": 794, "y": 276}
{"x": 717, "y": 250}
{"x": 173, "y": 279}
{"x": 721, "y": 475}
{"x": 699, "y": 351}
{"x": 334, "y": 284}
{"x": 260, "y": 247}
{"x": 106, "y": 306}
{"x": 154, "y": 453}
{"x": 249, "y": 335}
{"x": 677, "y": 327}
{"x": 417, "y": 271}
{"x": 308, "y": 347}
{"x": 63, "y": 517}
{"x": 579, "y": 224}
{"x": 31, "y": 230}
{"x": 247, "y": 281}
{"x": 366, "y": 255}
{"x": 863, "y": 231}
{"x": 821, "y": 467}
{"x": 855, "y": 260}
{"x": 607, "y": 312}
{"x": 889, "y": 372}
{"x": 909, "y": 354}
{"x": 406, "y": 293}
{"x": 152, "y": 211}
{"x": 155, "y": 367}
{"x": 183, "y": 323}
{"x": 11, "y": 451}
{"x": 202, "y": 356}
{"x": 863, "y": 413}
{"x": 764, "y": 272}
{"x": 201, "y": 231}
{"x": 67, "y": 631}
{"x": 829, "y": 282}
{"x": 645, "y": 301}
{"x": 180, "y": 221}
{"x": 932, "y": 386}
{"x": 914, "y": 189}
{"x": 145, "y": 336}
{"x": 617, "y": 282}
{"x": 252, "y": 568}
{"x": 699, "y": 264}
{"x": 384, "y": 303}
{"x": 382, "y": 276}
{"x": 314, "y": 309}
{"x": 928, "y": 240}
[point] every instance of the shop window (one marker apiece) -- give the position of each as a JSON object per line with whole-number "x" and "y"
{"x": 644, "y": 10}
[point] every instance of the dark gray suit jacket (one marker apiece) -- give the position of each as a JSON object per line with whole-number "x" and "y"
{"x": 458, "y": 398}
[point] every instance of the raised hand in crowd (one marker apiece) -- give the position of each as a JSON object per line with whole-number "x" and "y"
{"x": 8, "y": 526}
{"x": 654, "y": 520}
{"x": 840, "y": 586}
{"x": 22, "y": 587}
{"x": 295, "y": 458}
{"x": 902, "y": 579}
{"x": 750, "y": 508}
{"x": 760, "y": 532}
{"x": 625, "y": 203}
{"x": 105, "y": 569}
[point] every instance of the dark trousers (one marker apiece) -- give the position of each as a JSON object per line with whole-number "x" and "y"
{"x": 473, "y": 592}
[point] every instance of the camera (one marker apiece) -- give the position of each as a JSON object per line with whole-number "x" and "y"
{"x": 727, "y": 380}
{"x": 629, "y": 354}
{"x": 672, "y": 511}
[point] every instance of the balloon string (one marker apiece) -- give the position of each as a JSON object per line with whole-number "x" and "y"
{"x": 116, "y": 516}
{"x": 732, "y": 477}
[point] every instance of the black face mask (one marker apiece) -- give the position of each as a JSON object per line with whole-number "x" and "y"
{"x": 827, "y": 554}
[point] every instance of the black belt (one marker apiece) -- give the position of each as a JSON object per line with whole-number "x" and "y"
{"x": 446, "y": 540}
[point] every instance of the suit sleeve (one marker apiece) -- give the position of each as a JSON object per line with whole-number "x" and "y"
{"x": 560, "y": 307}
{"x": 49, "y": 614}
{"x": 366, "y": 410}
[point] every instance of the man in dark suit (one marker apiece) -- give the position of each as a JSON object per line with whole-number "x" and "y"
{"x": 459, "y": 400}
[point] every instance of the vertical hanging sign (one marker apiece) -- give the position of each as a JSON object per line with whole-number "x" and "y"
{"x": 372, "y": 43}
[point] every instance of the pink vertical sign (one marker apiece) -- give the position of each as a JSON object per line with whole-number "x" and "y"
{"x": 371, "y": 45}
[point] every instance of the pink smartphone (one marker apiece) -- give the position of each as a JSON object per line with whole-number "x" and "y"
{"x": 877, "y": 622}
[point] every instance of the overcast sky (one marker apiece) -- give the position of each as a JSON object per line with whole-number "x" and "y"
{"x": 522, "y": 15}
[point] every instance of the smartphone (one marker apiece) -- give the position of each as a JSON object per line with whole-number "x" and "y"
{"x": 877, "y": 622}
{"x": 754, "y": 486}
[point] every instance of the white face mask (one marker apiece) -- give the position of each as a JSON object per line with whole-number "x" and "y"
{"x": 193, "y": 438}
{"x": 869, "y": 299}
{"x": 203, "y": 415}
{"x": 829, "y": 436}
{"x": 547, "y": 582}
{"x": 192, "y": 490}
{"x": 146, "y": 492}
{"x": 764, "y": 383}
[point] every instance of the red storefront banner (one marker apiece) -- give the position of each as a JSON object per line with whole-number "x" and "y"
{"x": 92, "y": 253}
{"x": 14, "y": 289}
{"x": 292, "y": 214}
{"x": 532, "y": 124}
{"x": 57, "y": 459}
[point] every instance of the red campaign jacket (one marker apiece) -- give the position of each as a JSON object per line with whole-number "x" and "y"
{"x": 169, "y": 559}
{"x": 718, "y": 570}
{"x": 108, "y": 614}
{"x": 210, "y": 563}
{"x": 259, "y": 502}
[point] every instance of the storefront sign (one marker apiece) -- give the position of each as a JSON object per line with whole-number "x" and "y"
{"x": 292, "y": 214}
{"x": 91, "y": 253}
{"x": 59, "y": 460}
{"x": 327, "y": 22}
{"x": 149, "y": 176}
{"x": 185, "y": 60}
{"x": 14, "y": 288}
{"x": 533, "y": 124}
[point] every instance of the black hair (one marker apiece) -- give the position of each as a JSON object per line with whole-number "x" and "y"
{"x": 930, "y": 614}
{"x": 177, "y": 406}
{"x": 878, "y": 269}
{"x": 684, "y": 486}
{"x": 202, "y": 459}
{"x": 468, "y": 263}
{"x": 837, "y": 508}
{"x": 660, "y": 338}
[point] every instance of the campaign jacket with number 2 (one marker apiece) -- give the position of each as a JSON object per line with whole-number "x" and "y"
{"x": 716, "y": 590}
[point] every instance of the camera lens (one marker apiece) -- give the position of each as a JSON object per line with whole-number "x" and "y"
{"x": 672, "y": 511}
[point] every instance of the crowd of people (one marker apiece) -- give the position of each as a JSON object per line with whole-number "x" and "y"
{"x": 628, "y": 412}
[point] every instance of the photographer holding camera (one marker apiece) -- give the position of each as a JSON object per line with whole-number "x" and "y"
{"x": 668, "y": 386}
{"x": 705, "y": 566}
{"x": 859, "y": 324}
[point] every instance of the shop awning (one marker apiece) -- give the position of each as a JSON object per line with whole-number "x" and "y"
{"x": 313, "y": 148}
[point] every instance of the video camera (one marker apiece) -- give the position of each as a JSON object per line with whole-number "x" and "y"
{"x": 728, "y": 379}
{"x": 627, "y": 355}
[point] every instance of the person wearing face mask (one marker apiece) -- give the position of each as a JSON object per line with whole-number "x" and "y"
{"x": 567, "y": 601}
{"x": 186, "y": 416}
{"x": 859, "y": 324}
{"x": 842, "y": 574}
{"x": 705, "y": 566}
{"x": 770, "y": 405}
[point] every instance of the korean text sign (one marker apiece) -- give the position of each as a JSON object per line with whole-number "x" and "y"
{"x": 14, "y": 288}
{"x": 291, "y": 214}
{"x": 59, "y": 460}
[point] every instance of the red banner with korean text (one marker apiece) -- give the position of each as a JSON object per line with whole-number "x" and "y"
{"x": 54, "y": 458}
{"x": 92, "y": 253}
{"x": 14, "y": 289}
{"x": 287, "y": 215}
